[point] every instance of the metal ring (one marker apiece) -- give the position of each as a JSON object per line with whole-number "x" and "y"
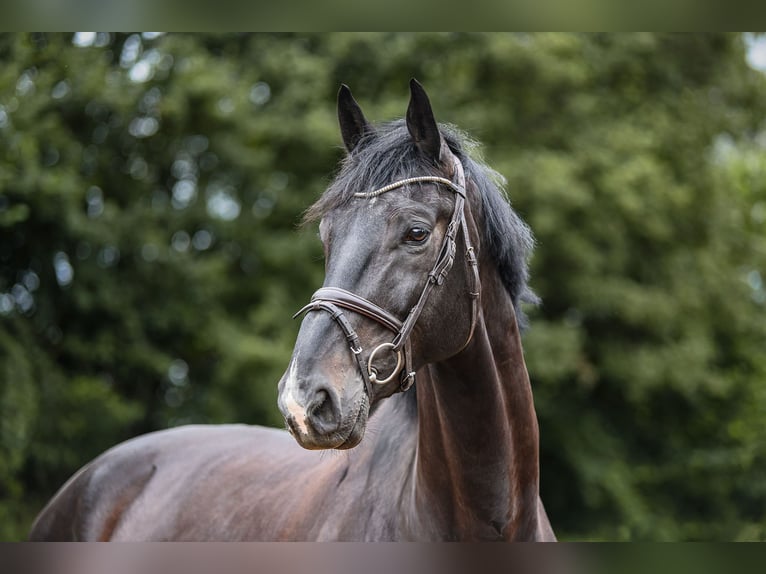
{"x": 373, "y": 374}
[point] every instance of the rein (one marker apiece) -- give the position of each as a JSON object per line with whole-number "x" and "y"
{"x": 334, "y": 299}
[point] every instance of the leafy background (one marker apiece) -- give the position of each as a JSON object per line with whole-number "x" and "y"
{"x": 150, "y": 189}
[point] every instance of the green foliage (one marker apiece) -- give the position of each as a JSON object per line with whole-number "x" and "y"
{"x": 151, "y": 186}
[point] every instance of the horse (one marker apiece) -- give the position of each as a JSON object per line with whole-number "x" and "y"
{"x": 408, "y": 360}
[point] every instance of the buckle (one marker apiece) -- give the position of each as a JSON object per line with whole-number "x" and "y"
{"x": 407, "y": 381}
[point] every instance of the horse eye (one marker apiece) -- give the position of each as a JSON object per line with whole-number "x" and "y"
{"x": 416, "y": 235}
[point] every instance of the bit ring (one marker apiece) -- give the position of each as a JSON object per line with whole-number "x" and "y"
{"x": 373, "y": 374}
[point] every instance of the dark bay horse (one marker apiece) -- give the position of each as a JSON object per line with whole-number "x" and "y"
{"x": 425, "y": 274}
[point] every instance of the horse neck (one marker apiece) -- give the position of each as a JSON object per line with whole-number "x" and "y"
{"x": 477, "y": 462}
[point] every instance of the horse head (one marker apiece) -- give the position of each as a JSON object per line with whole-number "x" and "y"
{"x": 401, "y": 285}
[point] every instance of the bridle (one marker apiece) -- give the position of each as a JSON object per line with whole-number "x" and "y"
{"x": 334, "y": 299}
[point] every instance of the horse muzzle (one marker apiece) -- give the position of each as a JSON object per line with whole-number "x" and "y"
{"x": 319, "y": 416}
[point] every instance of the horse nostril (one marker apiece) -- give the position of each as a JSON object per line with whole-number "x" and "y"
{"x": 322, "y": 413}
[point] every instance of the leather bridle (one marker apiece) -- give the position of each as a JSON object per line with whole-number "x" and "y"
{"x": 334, "y": 299}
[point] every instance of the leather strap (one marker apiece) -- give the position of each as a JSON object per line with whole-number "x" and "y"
{"x": 331, "y": 298}
{"x": 355, "y": 303}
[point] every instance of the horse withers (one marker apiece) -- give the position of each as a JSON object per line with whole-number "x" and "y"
{"x": 408, "y": 358}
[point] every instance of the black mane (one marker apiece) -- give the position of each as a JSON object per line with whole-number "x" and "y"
{"x": 389, "y": 154}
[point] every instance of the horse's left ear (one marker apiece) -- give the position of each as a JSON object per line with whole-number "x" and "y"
{"x": 421, "y": 123}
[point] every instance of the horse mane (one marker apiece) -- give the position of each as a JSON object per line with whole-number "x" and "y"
{"x": 388, "y": 153}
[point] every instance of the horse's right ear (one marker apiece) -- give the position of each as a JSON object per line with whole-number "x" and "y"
{"x": 353, "y": 124}
{"x": 421, "y": 123}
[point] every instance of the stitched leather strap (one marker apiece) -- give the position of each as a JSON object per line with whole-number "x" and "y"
{"x": 358, "y": 304}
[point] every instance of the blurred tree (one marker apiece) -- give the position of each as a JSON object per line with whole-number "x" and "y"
{"x": 150, "y": 187}
{"x": 146, "y": 242}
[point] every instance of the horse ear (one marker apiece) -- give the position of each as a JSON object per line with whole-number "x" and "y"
{"x": 421, "y": 123}
{"x": 353, "y": 124}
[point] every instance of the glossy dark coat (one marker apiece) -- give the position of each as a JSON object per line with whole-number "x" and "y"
{"x": 453, "y": 458}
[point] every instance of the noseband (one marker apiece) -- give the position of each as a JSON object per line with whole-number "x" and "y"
{"x": 334, "y": 299}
